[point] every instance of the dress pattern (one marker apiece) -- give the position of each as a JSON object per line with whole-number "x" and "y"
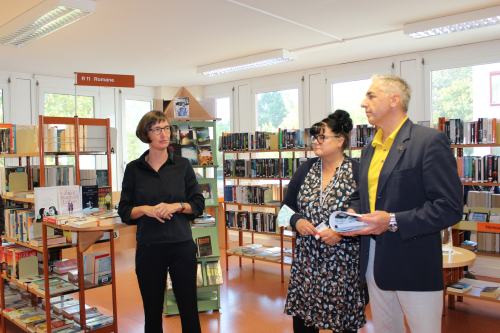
{"x": 324, "y": 287}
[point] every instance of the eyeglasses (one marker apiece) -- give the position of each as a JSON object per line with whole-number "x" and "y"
{"x": 157, "y": 130}
{"x": 321, "y": 138}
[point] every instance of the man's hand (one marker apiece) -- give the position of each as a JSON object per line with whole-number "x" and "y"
{"x": 378, "y": 222}
{"x": 330, "y": 237}
{"x": 305, "y": 228}
{"x": 149, "y": 211}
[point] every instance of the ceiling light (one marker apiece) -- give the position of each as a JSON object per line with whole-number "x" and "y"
{"x": 454, "y": 23}
{"x": 253, "y": 61}
{"x": 43, "y": 19}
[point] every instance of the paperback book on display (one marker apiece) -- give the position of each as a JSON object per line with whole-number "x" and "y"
{"x": 204, "y": 246}
{"x": 190, "y": 152}
{"x": 460, "y": 287}
{"x": 181, "y": 107}
{"x": 343, "y": 221}
{"x": 186, "y": 134}
{"x": 214, "y": 273}
{"x": 206, "y": 191}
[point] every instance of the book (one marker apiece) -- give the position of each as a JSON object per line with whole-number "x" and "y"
{"x": 51, "y": 240}
{"x": 469, "y": 245}
{"x": 59, "y": 219}
{"x": 57, "y": 299}
{"x": 25, "y": 263}
{"x": 64, "y": 266}
{"x": 102, "y": 269}
{"x": 204, "y": 246}
{"x": 56, "y": 325}
{"x": 69, "y": 199}
{"x": 492, "y": 292}
{"x": 206, "y": 191}
{"x": 90, "y": 197}
{"x": 214, "y": 273}
{"x": 202, "y": 136}
{"x": 104, "y": 198}
{"x": 186, "y": 134}
{"x": 89, "y": 261}
{"x": 72, "y": 310}
{"x": 58, "y": 288}
{"x": 45, "y": 202}
{"x": 189, "y": 151}
{"x": 199, "y": 276}
{"x": 100, "y": 321}
{"x": 181, "y": 107}
{"x": 59, "y": 307}
{"x": 460, "y": 287}
{"x": 89, "y": 314}
{"x": 83, "y": 222}
{"x": 341, "y": 221}
{"x": 205, "y": 156}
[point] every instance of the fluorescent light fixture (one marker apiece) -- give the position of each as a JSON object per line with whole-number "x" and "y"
{"x": 253, "y": 61}
{"x": 454, "y": 23}
{"x": 43, "y": 19}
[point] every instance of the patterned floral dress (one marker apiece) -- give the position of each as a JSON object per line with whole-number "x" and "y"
{"x": 324, "y": 287}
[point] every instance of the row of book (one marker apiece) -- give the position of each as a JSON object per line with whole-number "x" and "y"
{"x": 260, "y": 140}
{"x": 18, "y": 139}
{"x": 260, "y": 252}
{"x": 61, "y": 138}
{"x": 213, "y": 272}
{"x": 362, "y": 134}
{"x": 247, "y": 194}
{"x": 485, "y": 199}
{"x": 262, "y": 167}
{"x": 484, "y": 130}
{"x": 253, "y": 221}
{"x": 475, "y": 169}
{"x": 16, "y": 178}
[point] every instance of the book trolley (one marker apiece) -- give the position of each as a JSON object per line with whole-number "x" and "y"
{"x": 86, "y": 237}
{"x": 208, "y": 295}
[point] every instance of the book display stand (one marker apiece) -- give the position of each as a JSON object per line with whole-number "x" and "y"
{"x": 206, "y": 173}
{"x": 86, "y": 236}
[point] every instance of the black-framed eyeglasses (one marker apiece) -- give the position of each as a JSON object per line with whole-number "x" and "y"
{"x": 321, "y": 138}
{"x": 158, "y": 130}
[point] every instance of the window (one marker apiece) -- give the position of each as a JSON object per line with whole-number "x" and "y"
{"x": 464, "y": 93}
{"x": 134, "y": 111}
{"x": 63, "y": 105}
{"x": 277, "y": 109}
{"x": 348, "y": 96}
{"x": 223, "y": 111}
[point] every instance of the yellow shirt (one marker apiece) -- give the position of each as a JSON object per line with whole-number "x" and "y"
{"x": 378, "y": 159}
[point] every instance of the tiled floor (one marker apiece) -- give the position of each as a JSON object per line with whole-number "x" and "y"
{"x": 252, "y": 301}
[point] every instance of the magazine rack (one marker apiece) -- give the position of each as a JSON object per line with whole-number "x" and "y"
{"x": 208, "y": 296}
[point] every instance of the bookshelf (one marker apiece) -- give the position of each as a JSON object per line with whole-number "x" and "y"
{"x": 86, "y": 237}
{"x": 208, "y": 296}
{"x": 281, "y": 232}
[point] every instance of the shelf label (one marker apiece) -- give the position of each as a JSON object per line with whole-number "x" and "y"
{"x": 488, "y": 227}
{"x": 116, "y": 234}
{"x": 105, "y": 80}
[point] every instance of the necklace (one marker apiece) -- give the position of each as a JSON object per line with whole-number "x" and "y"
{"x": 328, "y": 188}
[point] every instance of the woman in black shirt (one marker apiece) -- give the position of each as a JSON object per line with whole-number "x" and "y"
{"x": 160, "y": 195}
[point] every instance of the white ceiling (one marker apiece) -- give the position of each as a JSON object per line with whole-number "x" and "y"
{"x": 162, "y": 42}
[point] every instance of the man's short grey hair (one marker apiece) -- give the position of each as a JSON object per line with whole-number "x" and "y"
{"x": 392, "y": 84}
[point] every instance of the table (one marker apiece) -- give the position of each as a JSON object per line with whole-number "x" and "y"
{"x": 452, "y": 270}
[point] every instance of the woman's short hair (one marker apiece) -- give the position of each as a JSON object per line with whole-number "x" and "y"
{"x": 339, "y": 122}
{"x": 147, "y": 121}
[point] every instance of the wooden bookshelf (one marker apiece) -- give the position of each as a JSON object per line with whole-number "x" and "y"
{"x": 19, "y": 155}
{"x": 480, "y": 184}
{"x": 37, "y": 248}
{"x": 476, "y": 145}
{"x": 23, "y": 200}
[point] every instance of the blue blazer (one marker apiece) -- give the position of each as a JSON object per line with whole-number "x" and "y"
{"x": 418, "y": 182}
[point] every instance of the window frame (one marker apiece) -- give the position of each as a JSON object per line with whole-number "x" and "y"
{"x": 274, "y": 88}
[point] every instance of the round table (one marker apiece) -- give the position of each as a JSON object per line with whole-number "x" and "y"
{"x": 453, "y": 270}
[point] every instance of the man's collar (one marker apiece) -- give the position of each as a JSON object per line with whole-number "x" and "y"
{"x": 377, "y": 140}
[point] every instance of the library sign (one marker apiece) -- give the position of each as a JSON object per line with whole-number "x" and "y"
{"x": 105, "y": 80}
{"x": 488, "y": 227}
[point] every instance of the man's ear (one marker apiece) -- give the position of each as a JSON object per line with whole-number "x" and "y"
{"x": 395, "y": 100}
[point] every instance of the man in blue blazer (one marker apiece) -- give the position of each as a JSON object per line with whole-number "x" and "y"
{"x": 408, "y": 191}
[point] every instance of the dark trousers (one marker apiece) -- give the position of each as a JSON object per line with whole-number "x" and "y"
{"x": 299, "y": 327}
{"x": 151, "y": 264}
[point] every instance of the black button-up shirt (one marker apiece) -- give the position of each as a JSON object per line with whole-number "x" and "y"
{"x": 174, "y": 182}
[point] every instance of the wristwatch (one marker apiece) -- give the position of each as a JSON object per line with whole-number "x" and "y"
{"x": 393, "y": 225}
{"x": 183, "y": 207}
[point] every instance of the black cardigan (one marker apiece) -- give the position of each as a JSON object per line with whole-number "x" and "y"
{"x": 298, "y": 179}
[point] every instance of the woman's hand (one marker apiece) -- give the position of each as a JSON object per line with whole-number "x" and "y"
{"x": 165, "y": 211}
{"x": 305, "y": 228}
{"x": 330, "y": 237}
{"x": 149, "y": 211}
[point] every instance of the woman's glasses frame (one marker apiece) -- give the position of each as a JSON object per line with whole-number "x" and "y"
{"x": 321, "y": 138}
{"x": 158, "y": 130}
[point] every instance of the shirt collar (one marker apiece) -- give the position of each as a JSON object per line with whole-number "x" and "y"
{"x": 169, "y": 159}
{"x": 377, "y": 140}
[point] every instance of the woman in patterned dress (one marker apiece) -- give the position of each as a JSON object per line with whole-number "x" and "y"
{"x": 324, "y": 292}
